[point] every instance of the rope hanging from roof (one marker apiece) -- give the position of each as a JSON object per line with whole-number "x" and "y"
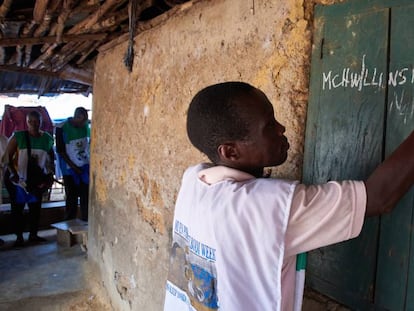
{"x": 132, "y": 14}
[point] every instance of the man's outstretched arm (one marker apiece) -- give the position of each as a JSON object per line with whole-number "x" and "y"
{"x": 391, "y": 180}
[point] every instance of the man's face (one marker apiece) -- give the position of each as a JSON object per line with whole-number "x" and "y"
{"x": 266, "y": 144}
{"x": 80, "y": 119}
{"x": 33, "y": 123}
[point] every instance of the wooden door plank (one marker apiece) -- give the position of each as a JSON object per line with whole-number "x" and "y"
{"x": 395, "y": 280}
{"x": 344, "y": 139}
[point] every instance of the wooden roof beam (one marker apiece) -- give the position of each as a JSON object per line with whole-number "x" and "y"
{"x": 76, "y": 75}
{"x": 5, "y": 42}
{"x": 70, "y": 74}
{"x": 80, "y": 28}
{"x": 87, "y": 23}
{"x": 84, "y": 91}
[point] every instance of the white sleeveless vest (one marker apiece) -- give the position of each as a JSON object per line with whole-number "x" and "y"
{"x": 228, "y": 244}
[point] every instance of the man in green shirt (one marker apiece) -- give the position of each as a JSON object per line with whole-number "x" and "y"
{"x": 72, "y": 146}
{"x": 25, "y": 150}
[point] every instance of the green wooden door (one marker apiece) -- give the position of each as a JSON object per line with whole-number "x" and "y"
{"x": 395, "y": 278}
{"x": 344, "y": 139}
{"x": 360, "y": 108}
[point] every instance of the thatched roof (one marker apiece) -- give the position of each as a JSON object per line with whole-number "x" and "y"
{"x": 50, "y": 46}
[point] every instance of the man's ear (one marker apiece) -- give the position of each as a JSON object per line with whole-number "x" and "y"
{"x": 228, "y": 152}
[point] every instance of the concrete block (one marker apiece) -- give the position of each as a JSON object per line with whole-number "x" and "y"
{"x": 65, "y": 238}
{"x": 71, "y": 232}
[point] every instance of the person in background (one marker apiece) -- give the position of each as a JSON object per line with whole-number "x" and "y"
{"x": 16, "y": 158}
{"x": 236, "y": 234}
{"x": 3, "y": 145}
{"x": 72, "y": 147}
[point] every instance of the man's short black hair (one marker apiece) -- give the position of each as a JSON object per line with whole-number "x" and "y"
{"x": 214, "y": 116}
{"x": 81, "y": 111}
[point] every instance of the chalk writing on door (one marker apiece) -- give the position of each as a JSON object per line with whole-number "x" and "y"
{"x": 402, "y": 107}
{"x": 360, "y": 77}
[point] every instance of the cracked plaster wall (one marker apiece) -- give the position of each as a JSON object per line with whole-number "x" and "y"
{"x": 139, "y": 144}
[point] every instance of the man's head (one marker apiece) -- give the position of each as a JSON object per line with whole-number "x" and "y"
{"x": 233, "y": 123}
{"x": 80, "y": 117}
{"x": 34, "y": 121}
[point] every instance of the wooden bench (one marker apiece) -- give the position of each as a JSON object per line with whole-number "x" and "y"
{"x": 71, "y": 232}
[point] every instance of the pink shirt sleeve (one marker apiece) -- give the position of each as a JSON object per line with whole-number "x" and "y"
{"x": 324, "y": 214}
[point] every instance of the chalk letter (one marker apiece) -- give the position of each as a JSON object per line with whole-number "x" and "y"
{"x": 355, "y": 79}
{"x": 327, "y": 79}
{"x": 392, "y": 79}
{"x": 402, "y": 76}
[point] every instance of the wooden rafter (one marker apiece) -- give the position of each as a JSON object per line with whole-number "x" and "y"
{"x": 39, "y": 10}
{"x": 5, "y": 42}
{"x": 144, "y": 26}
{"x": 87, "y": 23}
{"x": 70, "y": 74}
{"x": 63, "y": 16}
{"x": 60, "y": 37}
{"x": 4, "y": 8}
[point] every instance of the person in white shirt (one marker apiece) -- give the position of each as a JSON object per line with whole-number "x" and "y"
{"x": 236, "y": 234}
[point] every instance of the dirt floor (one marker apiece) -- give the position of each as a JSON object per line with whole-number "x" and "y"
{"x": 77, "y": 301}
{"x": 48, "y": 277}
